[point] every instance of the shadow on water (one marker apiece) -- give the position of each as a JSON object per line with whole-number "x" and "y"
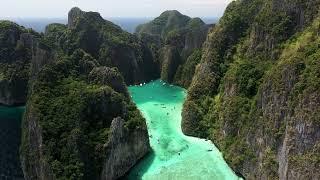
{"x": 140, "y": 168}
{"x": 10, "y": 133}
{"x": 174, "y": 154}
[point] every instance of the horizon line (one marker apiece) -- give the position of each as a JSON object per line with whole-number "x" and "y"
{"x": 133, "y": 17}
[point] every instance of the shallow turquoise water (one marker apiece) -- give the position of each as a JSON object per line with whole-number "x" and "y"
{"x": 175, "y": 156}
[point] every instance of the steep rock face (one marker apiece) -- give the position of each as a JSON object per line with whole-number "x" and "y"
{"x": 13, "y": 91}
{"x": 73, "y": 16}
{"x": 32, "y": 160}
{"x": 173, "y": 37}
{"x": 186, "y": 42}
{"x": 170, "y": 60}
{"x": 67, "y": 131}
{"x": 16, "y": 45}
{"x": 195, "y": 37}
{"x": 268, "y": 33}
{"x": 301, "y": 142}
{"x": 106, "y": 42}
{"x": 255, "y": 92}
{"x": 125, "y": 148}
{"x": 125, "y": 59}
{"x": 185, "y": 72}
{"x": 164, "y": 24}
{"x": 110, "y": 77}
{"x": 292, "y": 110}
{"x": 41, "y": 55}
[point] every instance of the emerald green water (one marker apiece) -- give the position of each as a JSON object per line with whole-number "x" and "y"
{"x": 175, "y": 156}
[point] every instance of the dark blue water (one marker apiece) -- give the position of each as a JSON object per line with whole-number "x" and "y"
{"x": 10, "y": 135}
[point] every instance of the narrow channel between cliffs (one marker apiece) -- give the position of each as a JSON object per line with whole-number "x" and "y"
{"x": 174, "y": 155}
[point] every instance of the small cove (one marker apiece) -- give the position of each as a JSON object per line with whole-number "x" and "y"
{"x": 174, "y": 156}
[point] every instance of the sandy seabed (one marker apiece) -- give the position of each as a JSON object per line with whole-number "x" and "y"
{"x": 175, "y": 156}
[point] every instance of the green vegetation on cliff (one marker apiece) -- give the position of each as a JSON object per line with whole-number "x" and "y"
{"x": 15, "y": 56}
{"x": 77, "y": 91}
{"x": 167, "y": 22}
{"x": 106, "y": 42}
{"x": 175, "y": 40}
{"x": 185, "y": 72}
{"x": 251, "y": 93}
{"x": 253, "y": 83}
{"x": 75, "y": 115}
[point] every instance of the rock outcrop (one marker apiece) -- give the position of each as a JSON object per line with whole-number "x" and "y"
{"x": 80, "y": 122}
{"x": 173, "y": 38}
{"x": 164, "y": 24}
{"x": 170, "y": 60}
{"x": 73, "y": 16}
{"x": 107, "y": 43}
{"x": 41, "y": 55}
{"x": 109, "y": 76}
{"x": 252, "y": 92}
{"x": 124, "y": 149}
{"x": 16, "y": 45}
{"x": 32, "y": 158}
{"x": 72, "y": 131}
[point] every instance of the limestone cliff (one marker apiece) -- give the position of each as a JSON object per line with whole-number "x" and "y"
{"x": 255, "y": 90}
{"x": 15, "y": 55}
{"x": 109, "y": 76}
{"x": 32, "y": 158}
{"x": 80, "y": 122}
{"x": 170, "y": 60}
{"x": 173, "y": 38}
{"x": 118, "y": 160}
{"x": 106, "y": 42}
{"x": 73, "y": 16}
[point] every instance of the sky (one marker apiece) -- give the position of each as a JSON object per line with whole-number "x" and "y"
{"x": 110, "y": 8}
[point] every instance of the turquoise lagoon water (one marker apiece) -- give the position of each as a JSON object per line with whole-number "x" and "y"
{"x": 174, "y": 156}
